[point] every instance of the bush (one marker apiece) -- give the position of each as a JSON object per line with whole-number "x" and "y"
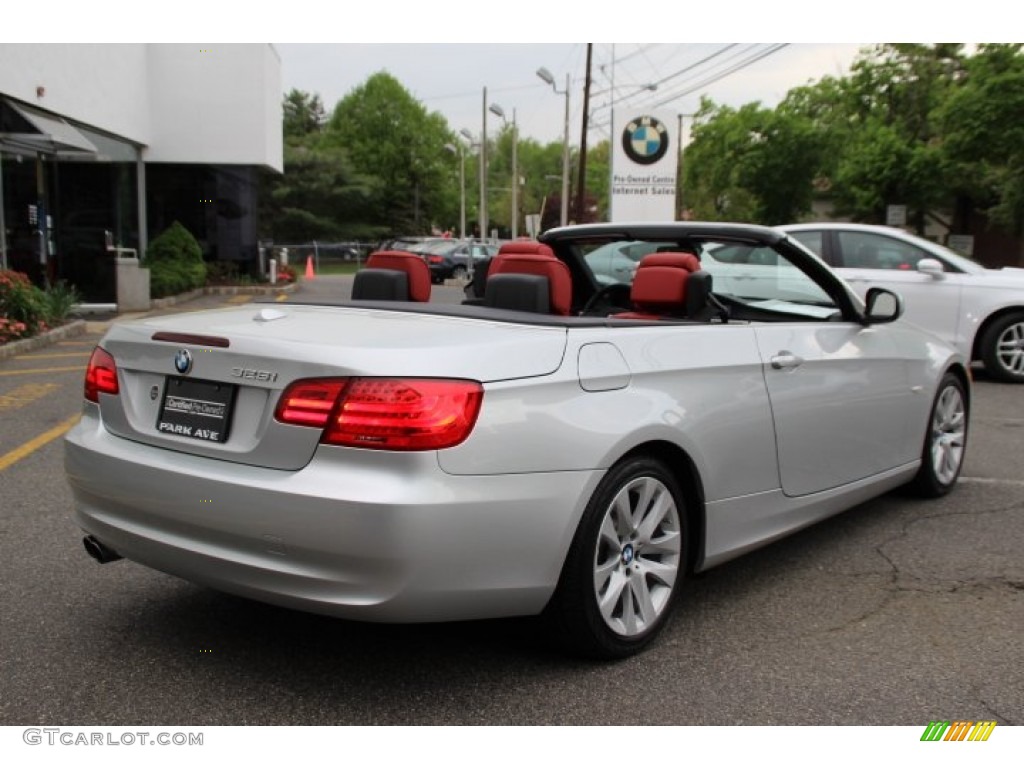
{"x": 25, "y": 310}
{"x": 58, "y": 300}
{"x": 22, "y": 307}
{"x": 175, "y": 262}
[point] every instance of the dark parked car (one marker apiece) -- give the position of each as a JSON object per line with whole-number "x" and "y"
{"x": 450, "y": 258}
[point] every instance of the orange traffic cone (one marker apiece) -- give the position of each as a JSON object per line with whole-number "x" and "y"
{"x": 309, "y": 268}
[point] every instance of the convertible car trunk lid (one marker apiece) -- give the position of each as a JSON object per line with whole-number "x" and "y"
{"x": 207, "y": 383}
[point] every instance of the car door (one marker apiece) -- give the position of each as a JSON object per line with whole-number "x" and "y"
{"x": 839, "y": 391}
{"x": 840, "y": 400}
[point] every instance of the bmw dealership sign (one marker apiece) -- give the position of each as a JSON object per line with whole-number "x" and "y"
{"x": 644, "y": 171}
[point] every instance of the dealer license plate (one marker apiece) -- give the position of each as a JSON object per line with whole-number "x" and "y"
{"x": 200, "y": 410}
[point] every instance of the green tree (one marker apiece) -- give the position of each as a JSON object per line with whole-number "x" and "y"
{"x": 983, "y": 134}
{"x": 391, "y": 138}
{"x": 892, "y": 148}
{"x": 303, "y": 114}
{"x": 751, "y": 163}
{"x": 320, "y": 196}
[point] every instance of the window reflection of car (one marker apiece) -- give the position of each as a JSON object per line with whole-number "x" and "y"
{"x": 738, "y": 269}
{"x": 754, "y": 272}
{"x": 978, "y": 310}
{"x": 449, "y": 258}
{"x": 617, "y": 262}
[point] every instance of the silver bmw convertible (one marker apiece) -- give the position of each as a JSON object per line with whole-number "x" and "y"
{"x": 573, "y": 441}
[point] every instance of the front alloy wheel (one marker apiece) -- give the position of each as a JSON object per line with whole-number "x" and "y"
{"x": 625, "y": 563}
{"x": 946, "y": 440}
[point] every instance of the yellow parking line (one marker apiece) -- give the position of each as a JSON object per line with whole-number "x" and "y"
{"x": 59, "y": 354}
{"x": 29, "y": 371}
{"x": 282, "y": 297}
{"x": 25, "y": 394}
{"x": 242, "y": 299}
{"x": 38, "y": 442}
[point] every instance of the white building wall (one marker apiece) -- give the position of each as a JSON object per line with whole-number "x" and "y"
{"x": 215, "y": 104}
{"x": 100, "y": 85}
{"x": 187, "y": 103}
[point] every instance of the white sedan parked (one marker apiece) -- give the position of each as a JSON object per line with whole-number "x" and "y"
{"x": 980, "y": 311}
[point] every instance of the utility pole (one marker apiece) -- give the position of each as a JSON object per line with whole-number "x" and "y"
{"x": 581, "y": 187}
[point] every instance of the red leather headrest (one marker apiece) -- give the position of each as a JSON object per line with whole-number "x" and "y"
{"x": 686, "y": 261}
{"x": 545, "y": 265}
{"x": 414, "y": 266}
{"x": 525, "y": 246}
{"x": 659, "y": 287}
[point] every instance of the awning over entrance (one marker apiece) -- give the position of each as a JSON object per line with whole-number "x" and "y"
{"x": 24, "y": 127}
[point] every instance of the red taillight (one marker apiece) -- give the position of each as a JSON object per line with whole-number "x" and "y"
{"x": 435, "y": 260}
{"x": 309, "y": 403}
{"x": 387, "y": 414}
{"x": 101, "y": 375}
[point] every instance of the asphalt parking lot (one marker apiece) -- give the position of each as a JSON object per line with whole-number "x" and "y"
{"x": 898, "y": 612}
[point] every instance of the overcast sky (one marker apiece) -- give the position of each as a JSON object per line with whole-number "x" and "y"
{"x": 331, "y": 48}
{"x": 450, "y": 78}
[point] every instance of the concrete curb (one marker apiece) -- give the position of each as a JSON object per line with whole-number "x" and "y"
{"x": 80, "y": 327}
{"x": 222, "y": 290}
{"x": 66, "y": 331}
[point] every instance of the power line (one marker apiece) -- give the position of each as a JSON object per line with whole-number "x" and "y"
{"x": 739, "y": 60}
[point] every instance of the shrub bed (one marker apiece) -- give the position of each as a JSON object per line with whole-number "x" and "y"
{"x": 175, "y": 262}
{"x": 26, "y": 310}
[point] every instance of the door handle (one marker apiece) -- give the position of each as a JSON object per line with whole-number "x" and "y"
{"x": 786, "y": 361}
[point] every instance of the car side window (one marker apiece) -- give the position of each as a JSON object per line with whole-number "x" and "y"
{"x": 812, "y": 239}
{"x": 867, "y": 250}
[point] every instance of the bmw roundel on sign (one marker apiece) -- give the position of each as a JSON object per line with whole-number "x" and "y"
{"x": 645, "y": 140}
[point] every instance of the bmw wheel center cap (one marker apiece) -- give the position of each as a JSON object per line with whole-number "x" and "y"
{"x": 627, "y": 554}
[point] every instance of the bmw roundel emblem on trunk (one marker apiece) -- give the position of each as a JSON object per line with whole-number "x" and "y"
{"x": 183, "y": 361}
{"x": 645, "y": 140}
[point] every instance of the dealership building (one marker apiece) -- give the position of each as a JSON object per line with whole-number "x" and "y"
{"x": 104, "y": 146}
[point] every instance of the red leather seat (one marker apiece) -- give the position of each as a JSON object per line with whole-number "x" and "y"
{"x": 382, "y": 278}
{"x": 524, "y": 257}
{"x": 660, "y": 286}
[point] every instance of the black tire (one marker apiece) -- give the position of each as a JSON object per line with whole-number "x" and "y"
{"x": 608, "y": 551}
{"x": 945, "y": 440}
{"x": 1002, "y": 348}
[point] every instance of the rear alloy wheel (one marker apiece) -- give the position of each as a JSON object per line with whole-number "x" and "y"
{"x": 459, "y": 273}
{"x": 1002, "y": 348}
{"x": 944, "y": 445}
{"x": 625, "y": 564}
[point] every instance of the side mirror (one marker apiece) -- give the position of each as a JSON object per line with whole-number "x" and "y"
{"x": 882, "y": 306}
{"x": 932, "y": 267}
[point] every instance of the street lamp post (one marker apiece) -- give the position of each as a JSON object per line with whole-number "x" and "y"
{"x": 548, "y": 78}
{"x": 497, "y": 110}
{"x": 461, "y": 151}
{"x": 483, "y": 173}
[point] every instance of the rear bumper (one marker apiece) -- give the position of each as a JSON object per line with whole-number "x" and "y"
{"x": 367, "y": 535}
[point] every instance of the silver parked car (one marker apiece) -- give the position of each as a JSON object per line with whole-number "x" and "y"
{"x": 562, "y": 446}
